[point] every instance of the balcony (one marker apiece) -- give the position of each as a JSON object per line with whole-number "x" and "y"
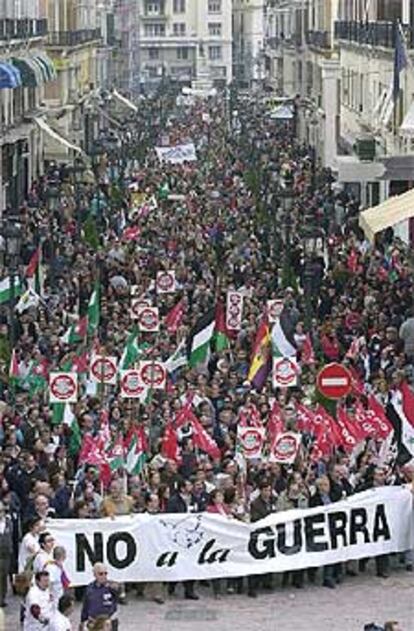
{"x": 70, "y": 39}
{"x": 22, "y": 29}
{"x": 371, "y": 33}
{"x": 319, "y": 39}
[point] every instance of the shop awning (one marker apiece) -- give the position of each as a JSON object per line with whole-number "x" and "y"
{"x": 46, "y": 66}
{"x": 391, "y": 212}
{"x": 56, "y": 136}
{"x": 10, "y": 76}
{"x": 125, "y": 101}
{"x": 31, "y": 75}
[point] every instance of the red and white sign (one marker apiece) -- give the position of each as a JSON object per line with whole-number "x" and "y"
{"x": 334, "y": 381}
{"x": 285, "y": 372}
{"x": 274, "y": 309}
{"x": 103, "y": 369}
{"x": 285, "y": 447}
{"x": 153, "y": 374}
{"x": 130, "y": 384}
{"x": 234, "y": 310}
{"x": 166, "y": 282}
{"x": 63, "y": 387}
{"x": 148, "y": 318}
{"x": 250, "y": 441}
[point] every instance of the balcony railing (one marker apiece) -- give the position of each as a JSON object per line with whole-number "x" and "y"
{"x": 371, "y": 33}
{"x": 22, "y": 29}
{"x": 73, "y": 38}
{"x": 319, "y": 39}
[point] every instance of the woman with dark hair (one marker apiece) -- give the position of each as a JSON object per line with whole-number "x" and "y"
{"x": 218, "y": 507}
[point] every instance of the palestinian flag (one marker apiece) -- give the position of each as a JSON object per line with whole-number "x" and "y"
{"x": 76, "y": 332}
{"x": 94, "y": 311}
{"x": 260, "y": 364}
{"x": 282, "y": 346}
{"x": 6, "y": 289}
{"x": 221, "y": 334}
{"x": 34, "y": 272}
{"x": 37, "y": 378}
{"x": 400, "y": 411}
{"x": 133, "y": 351}
{"x": 116, "y": 456}
{"x": 198, "y": 343}
{"x": 178, "y": 359}
{"x": 136, "y": 451}
{"x": 14, "y": 372}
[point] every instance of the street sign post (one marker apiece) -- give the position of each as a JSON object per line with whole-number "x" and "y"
{"x": 334, "y": 381}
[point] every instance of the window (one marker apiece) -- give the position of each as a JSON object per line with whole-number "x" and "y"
{"x": 179, "y": 29}
{"x": 214, "y": 29}
{"x": 214, "y": 52}
{"x": 153, "y": 7}
{"x": 179, "y": 6}
{"x": 154, "y": 53}
{"x": 214, "y": 6}
{"x": 154, "y": 30}
{"x": 182, "y": 52}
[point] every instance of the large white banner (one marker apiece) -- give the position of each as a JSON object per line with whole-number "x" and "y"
{"x": 176, "y": 547}
{"x": 177, "y": 154}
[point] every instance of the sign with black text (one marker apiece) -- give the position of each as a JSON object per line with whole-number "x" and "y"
{"x": 201, "y": 546}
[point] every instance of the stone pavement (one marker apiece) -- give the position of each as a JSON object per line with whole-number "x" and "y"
{"x": 357, "y": 601}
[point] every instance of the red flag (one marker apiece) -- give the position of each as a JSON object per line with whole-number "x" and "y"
{"x": 203, "y": 440}
{"x": 249, "y": 416}
{"x": 307, "y": 352}
{"x": 275, "y": 424}
{"x": 377, "y": 412}
{"x": 408, "y": 402}
{"x": 91, "y": 451}
{"x": 350, "y": 433}
{"x": 169, "y": 445}
{"x": 80, "y": 363}
{"x": 352, "y": 261}
{"x": 33, "y": 263}
{"x": 366, "y": 422}
{"x": 174, "y": 318}
{"x": 131, "y": 233}
{"x": 357, "y": 383}
{"x": 305, "y": 418}
{"x": 330, "y": 426}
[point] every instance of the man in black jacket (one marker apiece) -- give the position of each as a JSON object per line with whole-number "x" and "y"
{"x": 180, "y": 502}
{"x": 260, "y": 508}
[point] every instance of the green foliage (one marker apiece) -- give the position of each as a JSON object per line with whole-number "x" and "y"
{"x": 90, "y": 233}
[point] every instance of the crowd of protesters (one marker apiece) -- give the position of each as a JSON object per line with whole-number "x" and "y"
{"x": 220, "y": 224}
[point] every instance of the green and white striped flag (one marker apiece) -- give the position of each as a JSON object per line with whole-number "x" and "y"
{"x": 94, "y": 310}
{"x": 6, "y": 289}
{"x": 136, "y": 457}
{"x": 198, "y": 345}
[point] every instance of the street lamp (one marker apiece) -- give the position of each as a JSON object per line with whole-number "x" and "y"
{"x": 96, "y": 152}
{"x": 78, "y": 175}
{"x": 12, "y": 245}
{"x": 312, "y": 243}
{"x": 286, "y": 193}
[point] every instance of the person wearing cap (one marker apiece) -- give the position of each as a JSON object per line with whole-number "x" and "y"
{"x": 38, "y": 604}
{"x": 101, "y": 599}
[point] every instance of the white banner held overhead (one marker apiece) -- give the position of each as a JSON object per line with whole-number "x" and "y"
{"x": 234, "y": 310}
{"x": 203, "y": 546}
{"x": 177, "y": 154}
{"x": 63, "y": 387}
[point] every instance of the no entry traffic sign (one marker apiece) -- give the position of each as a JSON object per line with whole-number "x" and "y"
{"x": 334, "y": 381}
{"x": 63, "y": 387}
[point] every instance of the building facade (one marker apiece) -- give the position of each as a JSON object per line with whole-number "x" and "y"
{"x": 177, "y": 40}
{"x": 248, "y": 42}
{"x": 25, "y": 73}
{"x": 302, "y": 62}
{"x": 80, "y": 41}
